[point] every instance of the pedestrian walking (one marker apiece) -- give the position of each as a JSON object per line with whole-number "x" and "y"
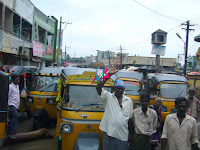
{"x": 118, "y": 110}
{"x": 155, "y": 139}
{"x": 13, "y": 105}
{"x": 193, "y": 104}
{"x": 180, "y": 129}
{"x": 142, "y": 125}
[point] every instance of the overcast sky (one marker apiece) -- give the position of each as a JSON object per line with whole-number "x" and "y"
{"x": 105, "y": 24}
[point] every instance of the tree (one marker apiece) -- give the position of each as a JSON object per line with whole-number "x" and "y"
{"x": 134, "y": 62}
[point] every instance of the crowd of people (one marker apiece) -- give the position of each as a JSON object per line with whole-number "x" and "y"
{"x": 141, "y": 129}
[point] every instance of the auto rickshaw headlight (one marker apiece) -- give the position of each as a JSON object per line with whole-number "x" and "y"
{"x": 164, "y": 108}
{"x": 67, "y": 128}
{"x": 136, "y": 105}
{"x": 50, "y": 100}
{"x": 30, "y": 100}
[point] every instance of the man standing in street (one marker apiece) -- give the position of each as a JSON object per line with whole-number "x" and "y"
{"x": 142, "y": 125}
{"x": 118, "y": 110}
{"x": 155, "y": 139}
{"x": 193, "y": 104}
{"x": 180, "y": 129}
{"x": 13, "y": 104}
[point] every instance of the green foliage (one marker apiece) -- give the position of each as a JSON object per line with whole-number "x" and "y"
{"x": 134, "y": 62}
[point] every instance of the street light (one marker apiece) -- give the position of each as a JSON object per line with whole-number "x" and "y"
{"x": 185, "y": 65}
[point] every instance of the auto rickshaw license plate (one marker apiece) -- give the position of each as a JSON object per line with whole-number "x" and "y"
{"x": 38, "y": 106}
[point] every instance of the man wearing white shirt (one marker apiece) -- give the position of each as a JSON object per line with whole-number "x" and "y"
{"x": 13, "y": 104}
{"x": 180, "y": 129}
{"x": 118, "y": 110}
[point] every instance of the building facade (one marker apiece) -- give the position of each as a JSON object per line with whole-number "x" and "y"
{"x": 149, "y": 61}
{"x": 16, "y": 20}
{"x": 192, "y": 64}
{"x": 27, "y": 36}
{"x": 44, "y": 38}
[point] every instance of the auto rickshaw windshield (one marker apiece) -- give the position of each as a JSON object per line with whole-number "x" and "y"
{"x": 83, "y": 97}
{"x": 45, "y": 83}
{"x": 172, "y": 90}
{"x": 131, "y": 88}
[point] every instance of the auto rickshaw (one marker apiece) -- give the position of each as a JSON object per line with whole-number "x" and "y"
{"x": 25, "y": 74}
{"x": 80, "y": 110}
{"x": 194, "y": 81}
{"x": 168, "y": 87}
{"x": 4, "y": 85}
{"x": 133, "y": 82}
{"x": 43, "y": 94}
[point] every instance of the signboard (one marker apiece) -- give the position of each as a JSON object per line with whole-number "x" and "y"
{"x": 49, "y": 50}
{"x": 158, "y": 50}
{"x": 37, "y": 49}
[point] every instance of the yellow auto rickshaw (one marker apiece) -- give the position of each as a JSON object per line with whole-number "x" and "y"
{"x": 168, "y": 87}
{"x": 4, "y": 85}
{"x": 194, "y": 81}
{"x": 25, "y": 74}
{"x": 80, "y": 110}
{"x": 133, "y": 82}
{"x": 43, "y": 94}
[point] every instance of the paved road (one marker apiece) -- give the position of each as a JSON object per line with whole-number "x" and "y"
{"x": 25, "y": 125}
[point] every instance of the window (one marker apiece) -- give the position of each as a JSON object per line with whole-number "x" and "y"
{"x": 1, "y": 15}
{"x": 42, "y": 34}
{"x": 50, "y": 38}
{"x": 160, "y": 38}
{"x": 26, "y": 30}
{"x": 16, "y": 24}
{"x": 8, "y": 20}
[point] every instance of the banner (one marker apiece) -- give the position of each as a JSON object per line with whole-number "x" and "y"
{"x": 37, "y": 49}
{"x": 158, "y": 50}
{"x": 49, "y": 50}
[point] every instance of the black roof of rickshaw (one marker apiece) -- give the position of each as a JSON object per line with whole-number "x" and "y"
{"x": 160, "y": 77}
{"x": 128, "y": 74}
{"x": 18, "y": 70}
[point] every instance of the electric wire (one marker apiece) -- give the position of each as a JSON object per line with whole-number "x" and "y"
{"x": 156, "y": 11}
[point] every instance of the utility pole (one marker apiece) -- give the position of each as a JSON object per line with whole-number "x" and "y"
{"x": 121, "y": 56}
{"x": 60, "y": 32}
{"x": 59, "y": 40}
{"x": 157, "y": 65}
{"x": 186, "y": 44}
{"x": 65, "y": 54}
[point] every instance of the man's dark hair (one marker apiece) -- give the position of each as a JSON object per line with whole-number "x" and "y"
{"x": 144, "y": 95}
{"x": 180, "y": 99}
{"x": 14, "y": 76}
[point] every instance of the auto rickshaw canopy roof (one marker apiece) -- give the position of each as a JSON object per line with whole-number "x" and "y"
{"x": 128, "y": 74}
{"x": 52, "y": 70}
{"x": 159, "y": 77}
{"x": 18, "y": 70}
{"x": 79, "y": 71}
